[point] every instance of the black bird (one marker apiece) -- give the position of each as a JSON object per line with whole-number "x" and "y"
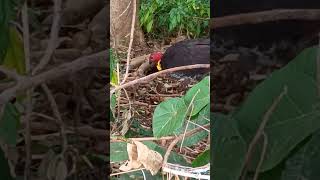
{"x": 187, "y": 52}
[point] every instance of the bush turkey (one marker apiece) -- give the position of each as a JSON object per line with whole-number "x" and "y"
{"x": 187, "y": 52}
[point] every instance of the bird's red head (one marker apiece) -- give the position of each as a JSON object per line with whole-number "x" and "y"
{"x": 155, "y": 57}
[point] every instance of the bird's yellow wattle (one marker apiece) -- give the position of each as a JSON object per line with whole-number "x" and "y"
{"x": 159, "y": 66}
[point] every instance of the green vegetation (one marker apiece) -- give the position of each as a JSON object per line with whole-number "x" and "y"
{"x": 284, "y": 111}
{"x": 162, "y": 17}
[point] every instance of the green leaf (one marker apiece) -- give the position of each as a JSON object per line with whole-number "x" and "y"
{"x": 149, "y": 26}
{"x": 14, "y": 58}
{"x": 4, "y": 40}
{"x": 201, "y": 118}
{"x": 229, "y": 148}
{"x": 168, "y": 116}
{"x": 118, "y": 152}
{"x": 296, "y": 112}
{"x": 113, "y": 68}
{"x": 4, "y": 166}
{"x": 9, "y": 124}
{"x": 198, "y": 95}
{"x": 304, "y": 164}
{"x": 202, "y": 159}
{"x": 7, "y": 12}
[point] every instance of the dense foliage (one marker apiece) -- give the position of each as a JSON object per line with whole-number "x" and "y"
{"x": 283, "y": 111}
{"x": 162, "y": 17}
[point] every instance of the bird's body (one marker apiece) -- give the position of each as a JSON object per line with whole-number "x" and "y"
{"x": 187, "y": 52}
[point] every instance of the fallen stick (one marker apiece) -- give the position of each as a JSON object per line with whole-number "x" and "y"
{"x": 137, "y": 61}
{"x": 265, "y": 16}
{"x": 154, "y": 75}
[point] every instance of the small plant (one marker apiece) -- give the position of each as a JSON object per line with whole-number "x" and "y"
{"x": 181, "y": 16}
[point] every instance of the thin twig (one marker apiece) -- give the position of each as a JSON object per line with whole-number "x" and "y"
{"x": 97, "y": 60}
{"x": 54, "y": 34}
{"x": 123, "y": 11}
{"x": 192, "y": 106}
{"x": 56, "y": 112}
{"x": 134, "y": 9}
{"x": 264, "y": 150}
{"x": 154, "y": 75}
{"x": 260, "y": 130}
{"x": 318, "y": 67}
{"x": 26, "y": 46}
{"x": 265, "y": 16}
{"x": 120, "y": 139}
{"x": 177, "y": 139}
{"x": 126, "y": 172}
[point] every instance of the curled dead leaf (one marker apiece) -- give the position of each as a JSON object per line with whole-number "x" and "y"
{"x": 139, "y": 154}
{"x": 151, "y": 160}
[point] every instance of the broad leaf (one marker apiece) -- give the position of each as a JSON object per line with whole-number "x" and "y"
{"x": 305, "y": 163}
{"x": 198, "y": 95}
{"x": 168, "y": 117}
{"x": 228, "y": 148}
{"x": 296, "y": 113}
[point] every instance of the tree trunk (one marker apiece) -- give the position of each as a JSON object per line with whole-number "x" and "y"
{"x": 121, "y": 18}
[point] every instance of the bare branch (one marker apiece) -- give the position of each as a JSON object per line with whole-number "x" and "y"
{"x": 98, "y": 60}
{"x": 53, "y": 37}
{"x": 265, "y": 16}
{"x": 154, "y": 75}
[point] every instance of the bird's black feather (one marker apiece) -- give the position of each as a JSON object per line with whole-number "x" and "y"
{"x": 187, "y": 52}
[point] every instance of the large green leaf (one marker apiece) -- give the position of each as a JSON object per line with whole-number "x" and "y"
{"x": 168, "y": 117}
{"x": 295, "y": 116}
{"x": 228, "y": 148}
{"x": 9, "y": 124}
{"x": 305, "y": 163}
{"x": 198, "y": 95}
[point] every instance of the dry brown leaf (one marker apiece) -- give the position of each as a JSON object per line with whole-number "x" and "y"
{"x": 151, "y": 160}
{"x": 133, "y": 156}
{"x": 140, "y": 154}
{"x": 125, "y": 167}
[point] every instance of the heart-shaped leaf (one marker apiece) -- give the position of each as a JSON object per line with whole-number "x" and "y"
{"x": 168, "y": 117}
